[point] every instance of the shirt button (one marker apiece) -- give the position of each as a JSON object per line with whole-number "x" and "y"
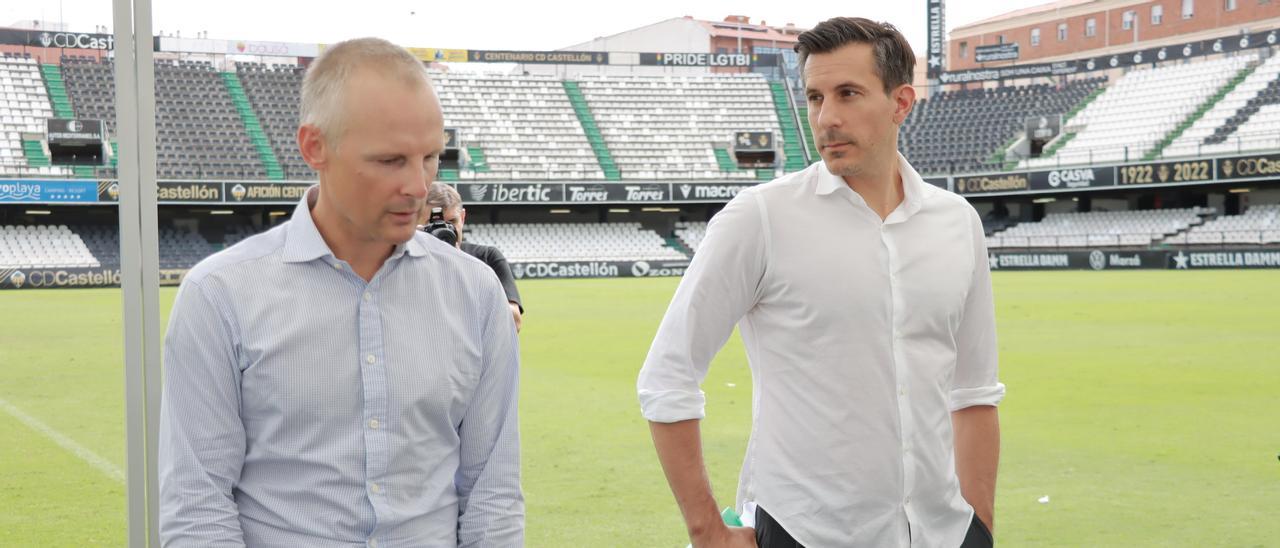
{"x": 373, "y": 543}
{"x": 337, "y": 266}
{"x": 367, "y": 296}
{"x": 907, "y": 501}
{"x": 902, "y": 390}
{"x": 373, "y": 424}
{"x": 369, "y": 359}
{"x": 374, "y": 488}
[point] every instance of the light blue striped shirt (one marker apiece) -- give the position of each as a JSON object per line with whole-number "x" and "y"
{"x": 305, "y": 407}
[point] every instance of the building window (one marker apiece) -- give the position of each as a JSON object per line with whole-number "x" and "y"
{"x": 1001, "y": 39}
{"x": 1157, "y": 14}
{"x": 964, "y": 50}
{"x": 1035, "y": 37}
{"x": 1126, "y": 20}
{"x": 1188, "y": 8}
{"x": 1231, "y": 5}
{"x": 1091, "y": 27}
{"x": 1062, "y": 32}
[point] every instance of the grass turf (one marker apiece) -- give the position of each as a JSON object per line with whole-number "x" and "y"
{"x": 1143, "y": 404}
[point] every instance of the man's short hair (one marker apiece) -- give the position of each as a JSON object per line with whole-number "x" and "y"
{"x": 895, "y": 62}
{"x": 324, "y": 87}
{"x": 443, "y": 196}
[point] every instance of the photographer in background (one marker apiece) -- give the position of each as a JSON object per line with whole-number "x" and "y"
{"x": 447, "y": 225}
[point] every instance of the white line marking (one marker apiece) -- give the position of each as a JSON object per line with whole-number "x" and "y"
{"x": 99, "y": 463}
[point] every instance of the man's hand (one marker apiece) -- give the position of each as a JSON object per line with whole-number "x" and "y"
{"x": 977, "y": 439}
{"x": 727, "y": 537}
{"x": 515, "y": 314}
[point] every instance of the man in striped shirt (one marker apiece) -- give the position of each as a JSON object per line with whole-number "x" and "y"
{"x": 343, "y": 378}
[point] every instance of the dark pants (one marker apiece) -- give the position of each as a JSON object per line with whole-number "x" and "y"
{"x": 771, "y": 535}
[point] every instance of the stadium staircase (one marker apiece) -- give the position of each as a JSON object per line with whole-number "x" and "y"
{"x": 592, "y": 130}
{"x": 1076, "y": 109}
{"x": 1066, "y": 136}
{"x": 795, "y": 158}
{"x": 35, "y": 154}
{"x": 1199, "y": 112}
{"x": 1266, "y": 96}
{"x": 675, "y": 243}
{"x": 253, "y": 126}
{"x": 1058, "y": 143}
{"x": 478, "y": 162}
{"x": 803, "y": 113}
{"x": 57, "y": 89}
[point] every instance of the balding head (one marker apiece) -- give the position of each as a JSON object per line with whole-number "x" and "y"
{"x": 325, "y": 85}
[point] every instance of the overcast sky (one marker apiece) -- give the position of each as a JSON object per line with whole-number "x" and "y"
{"x": 477, "y": 24}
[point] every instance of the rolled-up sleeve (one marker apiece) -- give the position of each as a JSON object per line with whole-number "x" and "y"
{"x": 491, "y": 505}
{"x": 202, "y": 439}
{"x": 720, "y": 286}
{"x": 976, "y": 376}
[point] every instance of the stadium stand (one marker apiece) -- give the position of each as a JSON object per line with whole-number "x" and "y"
{"x": 90, "y": 86}
{"x": 573, "y": 241}
{"x": 199, "y": 133}
{"x": 182, "y": 248}
{"x": 671, "y": 127}
{"x": 103, "y": 242}
{"x": 1129, "y": 120}
{"x": 275, "y": 93}
{"x": 92, "y": 246}
{"x": 966, "y": 131}
{"x": 24, "y": 107}
{"x": 1259, "y": 224}
{"x": 516, "y": 127}
{"x": 1247, "y": 119}
{"x": 43, "y": 246}
{"x": 691, "y": 233}
{"x": 1099, "y": 228}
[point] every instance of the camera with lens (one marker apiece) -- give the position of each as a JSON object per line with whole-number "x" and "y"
{"x": 440, "y": 228}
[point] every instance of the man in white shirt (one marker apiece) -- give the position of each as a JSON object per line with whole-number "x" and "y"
{"x": 864, "y": 299}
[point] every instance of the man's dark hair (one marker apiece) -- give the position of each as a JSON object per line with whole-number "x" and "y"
{"x": 895, "y": 62}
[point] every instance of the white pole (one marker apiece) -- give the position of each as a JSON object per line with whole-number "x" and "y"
{"x": 139, "y": 263}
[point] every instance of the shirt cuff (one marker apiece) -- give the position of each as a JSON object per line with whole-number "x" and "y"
{"x": 982, "y": 395}
{"x": 672, "y": 405}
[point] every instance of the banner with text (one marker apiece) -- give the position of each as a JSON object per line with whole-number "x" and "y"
{"x": 62, "y": 278}
{"x": 598, "y": 269}
{"x": 1187, "y": 50}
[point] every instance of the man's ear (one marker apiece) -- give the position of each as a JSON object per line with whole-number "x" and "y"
{"x": 315, "y": 150}
{"x": 904, "y": 99}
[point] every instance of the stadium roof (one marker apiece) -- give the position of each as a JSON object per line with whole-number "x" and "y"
{"x": 1052, "y": 6}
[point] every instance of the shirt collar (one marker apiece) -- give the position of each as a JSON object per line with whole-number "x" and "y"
{"x": 912, "y": 185}
{"x": 303, "y": 241}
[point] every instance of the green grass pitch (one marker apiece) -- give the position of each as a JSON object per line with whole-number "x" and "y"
{"x": 1145, "y": 405}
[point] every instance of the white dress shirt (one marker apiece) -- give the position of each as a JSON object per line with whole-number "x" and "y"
{"x": 862, "y": 336}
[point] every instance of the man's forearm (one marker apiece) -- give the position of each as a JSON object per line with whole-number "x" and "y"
{"x": 977, "y": 438}
{"x": 679, "y": 446}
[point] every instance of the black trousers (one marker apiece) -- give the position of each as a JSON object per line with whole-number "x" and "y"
{"x": 771, "y": 535}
